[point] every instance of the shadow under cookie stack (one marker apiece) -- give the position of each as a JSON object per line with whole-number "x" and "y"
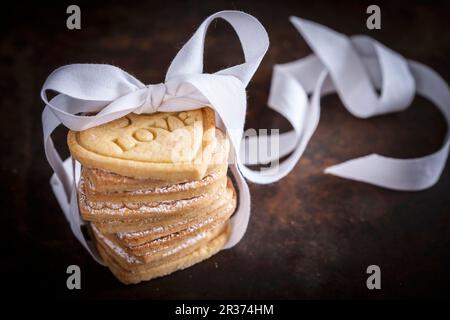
{"x": 155, "y": 190}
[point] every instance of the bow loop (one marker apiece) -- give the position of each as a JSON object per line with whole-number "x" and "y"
{"x": 252, "y": 35}
{"x": 87, "y": 81}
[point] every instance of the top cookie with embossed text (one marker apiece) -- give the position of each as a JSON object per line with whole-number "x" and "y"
{"x": 163, "y": 145}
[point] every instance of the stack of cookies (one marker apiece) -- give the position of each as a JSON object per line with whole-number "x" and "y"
{"x": 155, "y": 190}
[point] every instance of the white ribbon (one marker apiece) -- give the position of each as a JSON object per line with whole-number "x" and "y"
{"x": 353, "y": 67}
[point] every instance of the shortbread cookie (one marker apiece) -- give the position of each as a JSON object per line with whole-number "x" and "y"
{"x": 101, "y": 211}
{"x": 184, "y": 190}
{"x": 131, "y": 262}
{"x": 160, "y": 226}
{"x": 189, "y": 235}
{"x": 104, "y": 181}
{"x": 143, "y": 272}
{"x": 220, "y": 212}
{"x": 164, "y": 145}
{"x": 165, "y": 250}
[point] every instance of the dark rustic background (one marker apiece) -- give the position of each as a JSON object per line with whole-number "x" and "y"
{"x": 310, "y": 235}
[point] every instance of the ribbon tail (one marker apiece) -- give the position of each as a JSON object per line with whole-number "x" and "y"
{"x": 390, "y": 173}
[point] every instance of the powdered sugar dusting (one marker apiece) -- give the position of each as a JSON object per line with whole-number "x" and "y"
{"x": 189, "y": 185}
{"x": 105, "y": 207}
{"x": 117, "y": 249}
{"x": 186, "y": 244}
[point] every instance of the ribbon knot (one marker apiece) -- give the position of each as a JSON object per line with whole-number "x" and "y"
{"x": 154, "y": 97}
